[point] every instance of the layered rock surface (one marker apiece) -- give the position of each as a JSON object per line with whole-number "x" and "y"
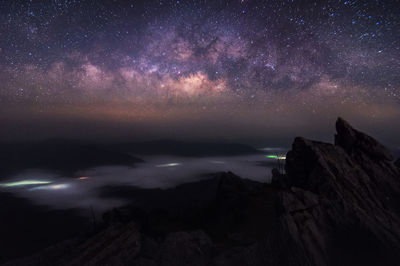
{"x": 340, "y": 204}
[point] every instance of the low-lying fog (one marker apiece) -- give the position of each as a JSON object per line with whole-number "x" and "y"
{"x": 61, "y": 192}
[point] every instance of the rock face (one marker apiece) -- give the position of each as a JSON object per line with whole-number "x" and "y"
{"x": 340, "y": 204}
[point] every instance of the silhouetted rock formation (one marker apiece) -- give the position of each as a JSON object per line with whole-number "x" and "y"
{"x": 356, "y": 143}
{"x": 341, "y": 201}
{"x": 397, "y": 162}
{"x": 337, "y": 204}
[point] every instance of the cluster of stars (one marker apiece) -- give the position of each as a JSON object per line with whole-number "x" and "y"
{"x": 207, "y": 53}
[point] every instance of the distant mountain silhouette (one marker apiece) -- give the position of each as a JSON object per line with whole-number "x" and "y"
{"x": 185, "y": 148}
{"x": 69, "y": 156}
{"x": 65, "y": 156}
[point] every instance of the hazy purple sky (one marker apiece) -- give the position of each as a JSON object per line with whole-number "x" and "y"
{"x": 231, "y": 70}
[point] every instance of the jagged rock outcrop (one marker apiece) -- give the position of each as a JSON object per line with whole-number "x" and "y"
{"x": 356, "y": 143}
{"x": 340, "y": 204}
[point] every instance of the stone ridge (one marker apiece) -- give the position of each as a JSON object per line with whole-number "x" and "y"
{"x": 347, "y": 190}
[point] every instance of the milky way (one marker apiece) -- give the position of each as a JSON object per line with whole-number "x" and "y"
{"x": 244, "y": 69}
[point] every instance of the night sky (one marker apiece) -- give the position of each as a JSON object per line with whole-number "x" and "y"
{"x": 252, "y": 71}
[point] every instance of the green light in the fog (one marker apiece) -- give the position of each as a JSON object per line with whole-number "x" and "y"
{"x": 24, "y": 183}
{"x": 276, "y": 157}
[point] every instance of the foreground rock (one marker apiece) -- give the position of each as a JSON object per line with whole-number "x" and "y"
{"x": 337, "y": 204}
{"x": 341, "y": 202}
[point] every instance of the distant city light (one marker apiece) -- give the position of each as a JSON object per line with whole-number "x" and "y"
{"x": 282, "y": 157}
{"x": 217, "y": 162}
{"x": 24, "y": 183}
{"x": 168, "y": 165}
{"x": 83, "y": 177}
{"x": 51, "y": 187}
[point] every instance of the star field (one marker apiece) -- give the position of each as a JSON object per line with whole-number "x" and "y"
{"x": 184, "y": 60}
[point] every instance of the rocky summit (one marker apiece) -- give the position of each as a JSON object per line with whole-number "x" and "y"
{"x": 340, "y": 204}
{"x": 336, "y": 204}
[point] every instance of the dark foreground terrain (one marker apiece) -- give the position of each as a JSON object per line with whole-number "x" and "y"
{"x": 337, "y": 204}
{"x": 27, "y": 228}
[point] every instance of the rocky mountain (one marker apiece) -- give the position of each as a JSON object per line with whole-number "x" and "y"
{"x": 337, "y": 204}
{"x": 340, "y": 204}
